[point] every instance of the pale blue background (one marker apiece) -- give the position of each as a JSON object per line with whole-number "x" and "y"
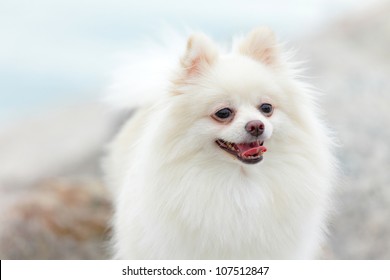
{"x": 54, "y": 52}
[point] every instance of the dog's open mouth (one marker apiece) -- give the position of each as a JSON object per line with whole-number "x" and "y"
{"x": 246, "y": 152}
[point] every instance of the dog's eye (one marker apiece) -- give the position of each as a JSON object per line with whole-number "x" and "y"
{"x": 267, "y": 109}
{"x": 224, "y": 114}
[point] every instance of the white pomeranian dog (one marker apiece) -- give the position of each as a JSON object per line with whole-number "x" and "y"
{"x": 231, "y": 161}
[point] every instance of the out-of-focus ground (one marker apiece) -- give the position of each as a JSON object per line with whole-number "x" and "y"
{"x": 352, "y": 62}
{"x": 52, "y": 199}
{"x": 55, "y": 206}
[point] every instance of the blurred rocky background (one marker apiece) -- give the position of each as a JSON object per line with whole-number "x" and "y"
{"x": 351, "y": 61}
{"x": 54, "y": 204}
{"x": 52, "y": 199}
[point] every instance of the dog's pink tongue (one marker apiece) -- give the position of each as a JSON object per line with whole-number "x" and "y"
{"x": 247, "y": 149}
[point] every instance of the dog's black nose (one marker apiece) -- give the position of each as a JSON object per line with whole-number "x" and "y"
{"x": 255, "y": 128}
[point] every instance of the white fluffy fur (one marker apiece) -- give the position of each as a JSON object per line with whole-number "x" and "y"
{"x": 179, "y": 196}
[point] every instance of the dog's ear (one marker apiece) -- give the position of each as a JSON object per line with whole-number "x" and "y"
{"x": 200, "y": 54}
{"x": 261, "y": 45}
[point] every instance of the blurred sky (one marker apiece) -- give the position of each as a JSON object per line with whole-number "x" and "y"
{"x": 56, "y": 52}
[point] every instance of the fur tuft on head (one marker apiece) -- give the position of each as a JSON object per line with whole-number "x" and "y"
{"x": 260, "y": 44}
{"x": 200, "y": 53}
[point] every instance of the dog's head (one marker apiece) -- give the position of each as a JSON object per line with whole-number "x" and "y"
{"x": 230, "y": 105}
